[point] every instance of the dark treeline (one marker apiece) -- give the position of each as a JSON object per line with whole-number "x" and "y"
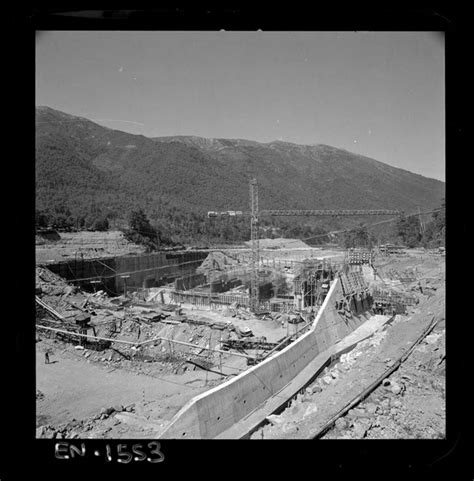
{"x": 408, "y": 231}
{"x": 174, "y": 226}
{"x": 171, "y": 226}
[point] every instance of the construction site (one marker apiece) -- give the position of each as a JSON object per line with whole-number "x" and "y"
{"x": 273, "y": 339}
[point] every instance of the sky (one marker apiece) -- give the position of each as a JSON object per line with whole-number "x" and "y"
{"x": 378, "y": 94}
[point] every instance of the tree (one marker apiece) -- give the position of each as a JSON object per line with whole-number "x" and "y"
{"x": 138, "y": 222}
{"x": 357, "y": 237}
{"x": 100, "y": 224}
{"x": 41, "y": 219}
{"x": 140, "y": 231}
{"x": 435, "y": 232}
{"x": 409, "y": 230}
{"x": 319, "y": 237}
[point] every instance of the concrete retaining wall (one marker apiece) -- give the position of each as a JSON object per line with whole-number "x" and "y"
{"x": 146, "y": 270}
{"x": 189, "y": 282}
{"x": 215, "y": 411}
{"x": 156, "y": 269}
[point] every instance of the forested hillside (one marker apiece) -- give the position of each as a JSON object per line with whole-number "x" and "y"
{"x": 89, "y": 176}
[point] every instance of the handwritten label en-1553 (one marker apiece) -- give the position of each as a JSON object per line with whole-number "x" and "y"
{"x": 121, "y": 453}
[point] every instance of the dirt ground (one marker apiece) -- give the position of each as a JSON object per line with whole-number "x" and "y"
{"x": 72, "y": 388}
{"x": 84, "y": 244}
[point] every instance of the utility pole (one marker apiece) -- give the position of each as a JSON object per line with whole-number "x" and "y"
{"x": 254, "y": 236}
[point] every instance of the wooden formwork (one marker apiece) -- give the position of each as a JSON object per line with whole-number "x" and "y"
{"x": 390, "y": 297}
{"x": 360, "y": 256}
{"x": 224, "y": 300}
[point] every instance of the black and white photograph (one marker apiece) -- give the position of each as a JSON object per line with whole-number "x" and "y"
{"x": 240, "y": 235}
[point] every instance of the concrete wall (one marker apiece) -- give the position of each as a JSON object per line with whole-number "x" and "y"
{"x": 145, "y": 270}
{"x": 189, "y": 282}
{"x": 156, "y": 269}
{"x": 216, "y": 410}
{"x": 79, "y": 268}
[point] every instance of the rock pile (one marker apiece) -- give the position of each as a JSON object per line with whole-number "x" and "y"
{"x": 77, "y": 429}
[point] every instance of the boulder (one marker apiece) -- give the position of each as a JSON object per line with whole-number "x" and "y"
{"x": 395, "y": 388}
{"x": 107, "y": 411}
{"x": 49, "y": 433}
{"x": 432, "y": 338}
{"x": 359, "y": 430}
{"x": 341, "y": 423}
{"x": 274, "y": 419}
{"x": 327, "y": 379}
{"x": 288, "y": 427}
{"x": 357, "y": 412}
{"x": 371, "y": 408}
{"x": 312, "y": 408}
{"x": 306, "y": 397}
{"x": 294, "y": 409}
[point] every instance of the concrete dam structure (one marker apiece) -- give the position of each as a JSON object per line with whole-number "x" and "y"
{"x": 233, "y": 408}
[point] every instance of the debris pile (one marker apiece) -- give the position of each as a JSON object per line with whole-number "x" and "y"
{"x": 409, "y": 404}
{"x": 77, "y": 429}
{"x": 145, "y": 332}
{"x": 51, "y": 284}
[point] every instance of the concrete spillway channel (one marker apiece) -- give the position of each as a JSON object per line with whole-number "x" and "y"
{"x": 234, "y": 409}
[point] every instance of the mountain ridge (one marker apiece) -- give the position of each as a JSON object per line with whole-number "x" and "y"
{"x": 79, "y": 162}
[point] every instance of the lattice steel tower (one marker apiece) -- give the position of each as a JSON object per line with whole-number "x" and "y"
{"x": 254, "y": 234}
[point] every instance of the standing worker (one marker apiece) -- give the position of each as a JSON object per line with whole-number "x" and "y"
{"x": 46, "y": 356}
